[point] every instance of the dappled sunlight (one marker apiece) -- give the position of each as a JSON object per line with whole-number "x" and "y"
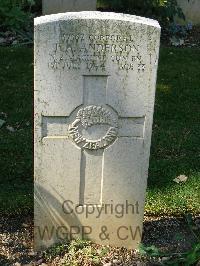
{"x": 163, "y": 88}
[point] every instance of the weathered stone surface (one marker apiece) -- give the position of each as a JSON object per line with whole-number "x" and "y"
{"x": 95, "y": 77}
{"x": 61, "y": 6}
{"x": 191, "y": 10}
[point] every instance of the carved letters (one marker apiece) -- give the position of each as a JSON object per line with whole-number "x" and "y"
{"x": 91, "y": 52}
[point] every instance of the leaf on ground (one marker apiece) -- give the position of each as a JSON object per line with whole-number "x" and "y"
{"x": 180, "y": 179}
{"x": 4, "y": 114}
{"x": 2, "y": 122}
{"x": 176, "y": 41}
{"x": 11, "y": 129}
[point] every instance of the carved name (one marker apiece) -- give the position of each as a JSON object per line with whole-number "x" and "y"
{"x": 91, "y": 52}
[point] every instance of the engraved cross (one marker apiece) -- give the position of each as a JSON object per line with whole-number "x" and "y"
{"x": 92, "y": 128}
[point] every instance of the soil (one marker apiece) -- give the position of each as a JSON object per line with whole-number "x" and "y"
{"x": 169, "y": 234}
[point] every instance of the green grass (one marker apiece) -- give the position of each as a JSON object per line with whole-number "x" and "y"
{"x": 175, "y": 142}
{"x": 16, "y": 153}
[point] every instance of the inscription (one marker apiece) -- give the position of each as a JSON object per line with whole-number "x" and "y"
{"x": 89, "y": 116}
{"x": 92, "y": 51}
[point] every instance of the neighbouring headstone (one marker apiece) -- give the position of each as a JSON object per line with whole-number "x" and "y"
{"x": 95, "y": 79}
{"x": 191, "y": 11}
{"x": 62, "y": 6}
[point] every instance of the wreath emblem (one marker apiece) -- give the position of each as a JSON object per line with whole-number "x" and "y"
{"x": 89, "y": 116}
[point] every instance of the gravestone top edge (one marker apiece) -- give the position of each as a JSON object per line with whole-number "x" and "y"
{"x": 95, "y": 15}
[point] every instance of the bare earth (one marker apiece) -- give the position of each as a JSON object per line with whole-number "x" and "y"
{"x": 167, "y": 234}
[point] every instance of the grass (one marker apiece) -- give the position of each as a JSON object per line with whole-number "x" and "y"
{"x": 175, "y": 141}
{"x": 16, "y": 152}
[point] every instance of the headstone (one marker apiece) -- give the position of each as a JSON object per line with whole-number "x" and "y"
{"x": 95, "y": 78}
{"x": 191, "y": 11}
{"x": 62, "y": 6}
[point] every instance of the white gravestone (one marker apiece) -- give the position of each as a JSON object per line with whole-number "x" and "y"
{"x": 95, "y": 79}
{"x": 61, "y": 6}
